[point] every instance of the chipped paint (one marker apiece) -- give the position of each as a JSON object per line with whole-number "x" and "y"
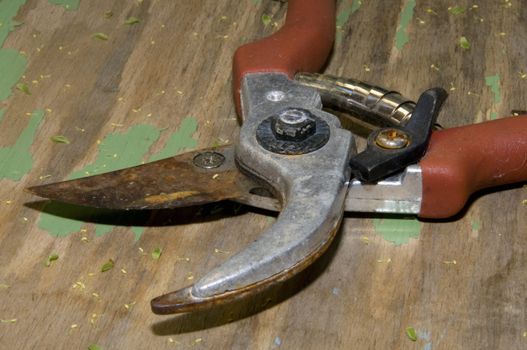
{"x": 493, "y": 82}
{"x": 401, "y": 36}
{"x": 16, "y": 160}
{"x": 12, "y": 63}
{"x": 397, "y": 231}
{"x": 493, "y": 116}
{"x": 70, "y": 5}
{"x": 8, "y": 10}
{"x": 121, "y": 150}
{"x": 116, "y": 151}
{"x": 179, "y": 141}
{"x": 343, "y": 17}
{"x": 12, "y": 67}
{"x": 475, "y": 225}
{"x": 138, "y": 231}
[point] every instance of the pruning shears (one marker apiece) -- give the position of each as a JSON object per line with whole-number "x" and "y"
{"x": 295, "y": 157}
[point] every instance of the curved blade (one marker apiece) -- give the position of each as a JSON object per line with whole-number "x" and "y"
{"x": 191, "y": 178}
{"x": 312, "y": 187}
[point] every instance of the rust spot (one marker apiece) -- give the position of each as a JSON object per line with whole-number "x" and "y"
{"x": 166, "y": 197}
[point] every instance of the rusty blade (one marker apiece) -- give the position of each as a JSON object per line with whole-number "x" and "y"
{"x": 192, "y": 178}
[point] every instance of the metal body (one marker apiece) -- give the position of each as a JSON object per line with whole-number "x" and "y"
{"x": 311, "y": 187}
{"x": 401, "y": 193}
{"x": 370, "y": 103}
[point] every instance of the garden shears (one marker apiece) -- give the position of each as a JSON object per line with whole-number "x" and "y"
{"x": 295, "y": 157}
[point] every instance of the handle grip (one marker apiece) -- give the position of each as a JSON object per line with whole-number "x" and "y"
{"x": 302, "y": 44}
{"x": 465, "y": 159}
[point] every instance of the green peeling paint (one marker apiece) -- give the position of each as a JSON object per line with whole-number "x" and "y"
{"x": 12, "y": 63}
{"x": 355, "y": 6}
{"x": 493, "y": 82}
{"x": 8, "y": 10}
{"x": 138, "y": 231}
{"x": 493, "y": 116}
{"x": 401, "y": 36}
{"x": 70, "y": 5}
{"x": 121, "y": 150}
{"x": 343, "y": 17}
{"x": 116, "y": 151}
{"x": 475, "y": 224}
{"x": 60, "y": 220}
{"x": 397, "y": 231}
{"x": 12, "y": 67}
{"x": 180, "y": 140}
{"x": 16, "y": 161}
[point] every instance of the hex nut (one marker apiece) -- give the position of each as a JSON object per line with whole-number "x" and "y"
{"x": 293, "y": 124}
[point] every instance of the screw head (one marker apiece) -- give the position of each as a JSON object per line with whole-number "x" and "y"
{"x": 392, "y": 139}
{"x": 208, "y": 160}
{"x": 293, "y": 124}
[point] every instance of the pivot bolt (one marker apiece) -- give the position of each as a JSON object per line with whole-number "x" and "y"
{"x": 392, "y": 139}
{"x": 293, "y": 124}
{"x": 208, "y": 160}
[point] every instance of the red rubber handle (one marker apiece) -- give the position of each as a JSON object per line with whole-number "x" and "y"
{"x": 302, "y": 44}
{"x": 462, "y": 160}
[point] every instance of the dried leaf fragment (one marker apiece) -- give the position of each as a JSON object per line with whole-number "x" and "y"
{"x": 411, "y": 334}
{"x": 100, "y": 36}
{"x": 456, "y": 10}
{"x": 464, "y": 43}
{"x": 108, "y": 14}
{"x": 108, "y": 265}
{"x": 132, "y": 20}
{"x": 156, "y": 253}
{"x": 50, "y": 259}
{"x": 266, "y": 19}
{"x": 12, "y": 320}
{"x": 60, "y": 139}
{"x": 24, "y": 88}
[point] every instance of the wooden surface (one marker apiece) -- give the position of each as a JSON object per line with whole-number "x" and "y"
{"x": 459, "y": 283}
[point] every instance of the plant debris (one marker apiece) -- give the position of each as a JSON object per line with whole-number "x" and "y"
{"x": 101, "y": 36}
{"x": 456, "y": 10}
{"x": 24, "y": 88}
{"x": 94, "y": 347}
{"x": 410, "y": 333}
{"x": 13, "y": 320}
{"x": 50, "y": 259}
{"x": 108, "y": 14}
{"x": 128, "y": 306}
{"x": 60, "y": 139}
{"x": 156, "y": 253}
{"x": 266, "y": 19}
{"x": 108, "y": 265}
{"x": 132, "y": 20}
{"x": 464, "y": 43}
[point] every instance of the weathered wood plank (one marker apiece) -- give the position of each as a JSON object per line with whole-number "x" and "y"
{"x": 162, "y": 85}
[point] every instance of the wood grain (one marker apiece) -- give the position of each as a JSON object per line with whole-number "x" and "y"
{"x": 175, "y": 63}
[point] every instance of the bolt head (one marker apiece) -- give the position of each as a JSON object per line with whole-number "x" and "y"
{"x": 208, "y": 160}
{"x": 392, "y": 139}
{"x": 293, "y": 124}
